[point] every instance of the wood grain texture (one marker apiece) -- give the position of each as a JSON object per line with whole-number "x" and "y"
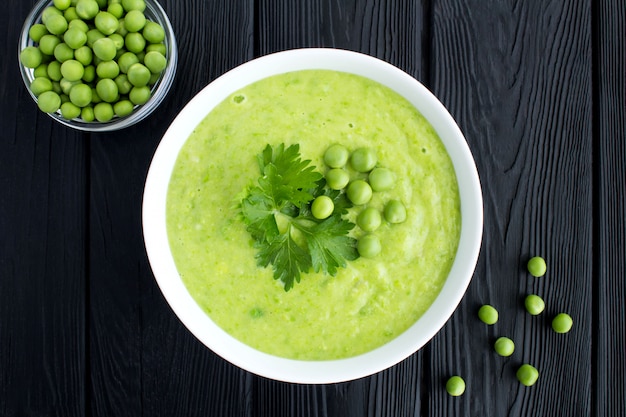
{"x": 610, "y": 188}
{"x": 517, "y": 78}
{"x": 142, "y": 360}
{"x": 42, "y": 262}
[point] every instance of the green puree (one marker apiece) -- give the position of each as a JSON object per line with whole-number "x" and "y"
{"x": 372, "y": 300}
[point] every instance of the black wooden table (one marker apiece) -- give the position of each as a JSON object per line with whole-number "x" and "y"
{"x": 536, "y": 86}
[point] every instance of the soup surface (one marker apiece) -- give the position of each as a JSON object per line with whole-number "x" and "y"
{"x": 369, "y": 302}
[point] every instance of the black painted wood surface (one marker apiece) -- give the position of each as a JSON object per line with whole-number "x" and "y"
{"x": 536, "y": 86}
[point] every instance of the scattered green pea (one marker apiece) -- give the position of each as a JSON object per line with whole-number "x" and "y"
{"x": 62, "y": 52}
{"x": 104, "y": 48}
{"x": 138, "y": 75}
{"x": 84, "y": 55}
{"x": 106, "y": 23}
{"x": 54, "y": 71}
{"x": 81, "y": 95}
{"x": 394, "y": 211}
{"x": 90, "y": 74}
{"x": 103, "y": 112}
{"x": 455, "y": 386}
{"x": 359, "y": 192}
{"x": 537, "y": 266}
{"x": 363, "y": 159}
{"x": 69, "y": 110}
{"x": 134, "y": 21}
{"x": 87, "y": 9}
{"x": 78, "y": 24}
{"x": 381, "y": 179}
{"x": 41, "y": 71}
{"x": 134, "y": 42}
{"x": 134, "y": 5}
{"x": 37, "y": 31}
{"x": 153, "y": 32}
{"x": 107, "y": 90}
{"x": 488, "y": 314}
{"x": 139, "y": 95}
{"x": 369, "y": 219}
{"x": 123, "y": 108}
{"x": 75, "y": 38}
{"x": 155, "y": 61}
{"x": 337, "y": 179}
{"x": 56, "y": 24}
{"x": 72, "y": 70}
{"x": 562, "y": 323}
{"x": 62, "y": 4}
{"x": 70, "y": 14}
{"x": 527, "y": 375}
{"x": 87, "y": 114}
{"x": 534, "y": 304}
{"x": 369, "y": 246}
{"x": 108, "y": 69}
{"x": 47, "y": 43}
{"x": 504, "y": 346}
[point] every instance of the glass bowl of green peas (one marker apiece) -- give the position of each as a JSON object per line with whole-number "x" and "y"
{"x": 97, "y": 65}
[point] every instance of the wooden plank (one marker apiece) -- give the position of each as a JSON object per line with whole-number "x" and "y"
{"x": 42, "y": 249}
{"x": 517, "y": 78}
{"x": 391, "y": 30}
{"x": 610, "y": 187}
{"x": 142, "y": 360}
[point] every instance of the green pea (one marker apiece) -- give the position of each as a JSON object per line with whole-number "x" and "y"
{"x": 381, "y": 179}
{"x": 562, "y": 323}
{"x": 154, "y": 77}
{"x": 104, "y": 48}
{"x": 138, "y": 75}
{"x": 70, "y": 14}
{"x": 488, "y": 314}
{"x": 56, "y": 87}
{"x": 95, "y": 98}
{"x": 504, "y": 346}
{"x": 126, "y": 60}
{"x": 107, "y": 90}
{"x": 90, "y": 74}
{"x": 41, "y": 71}
{"x": 337, "y": 179}
{"x": 134, "y": 21}
{"x": 56, "y": 24}
{"x": 359, "y": 192}
{"x": 534, "y": 304}
{"x": 134, "y": 5}
{"x": 81, "y": 95}
{"x": 69, "y": 110}
{"x": 336, "y": 156}
{"x": 153, "y": 32}
{"x": 322, "y": 207}
{"x": 93, "y": 35}
{"x": 108, "y": 69}
{"x": 537, "y": 266}
{"x": 139, "y": 95}
{"x": 121, "y": 29}
{"x": 123, "y": 108}
{"x": 106, "y": 23}
{"x": 369, "y": 246}
{"x": 363, "y": 159}
{"x": 40, "y": 85}
{"x": 84, "y": 55}
{"x": 54, "y": 71}
{"x": 116, "y": 10}
{"x": 66, "y": 85}
{"x": 87, "y": 9}
{"x": 118, "y": 40}
{"x": 62, "y": 52}
{"x": 527, "y": 375}
{"x": 87, "y": 114}
{"x": 37, "y": 31}
{"x": 61, "y": 4}
{"x": 47, "y": 43}
{"x": 78, "y": 24}
{"x": 72, "y": 70}
{"x": 49, "y": 102}
{"x": 75, "y": 38}
{"x": 123, "y": 85}
{"x": 49, "y": 12}
{"x": 31, "y": 57}
{"x": 394, "y": 211}
{"x": 455, "y": 386}
{"x": 134, "y": 42}
{"x": 369, "y": 219}
{"x": 103, "y": 112}
{"x": 157, "y": 47}
{"x": 155, "y": 61}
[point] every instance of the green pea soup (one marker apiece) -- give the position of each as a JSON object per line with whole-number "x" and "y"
{"x": 366, "y": 304}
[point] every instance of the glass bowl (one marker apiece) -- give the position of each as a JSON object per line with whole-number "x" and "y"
{"x": 159, "y": 90}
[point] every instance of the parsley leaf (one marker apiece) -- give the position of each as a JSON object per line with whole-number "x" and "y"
{"x": 277, "y": 214}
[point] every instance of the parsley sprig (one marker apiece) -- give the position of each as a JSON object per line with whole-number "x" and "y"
{"x": 277, "y": 214}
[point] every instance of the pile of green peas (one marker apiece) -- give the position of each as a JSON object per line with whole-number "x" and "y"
{"x": 94, "y": 59}
{"x": 359, "y": 190}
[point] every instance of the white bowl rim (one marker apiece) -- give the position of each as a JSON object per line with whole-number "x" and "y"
{"x": 288, "y": 370}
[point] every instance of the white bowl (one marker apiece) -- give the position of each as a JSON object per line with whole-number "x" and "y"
{"x": 312, "y": 372}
